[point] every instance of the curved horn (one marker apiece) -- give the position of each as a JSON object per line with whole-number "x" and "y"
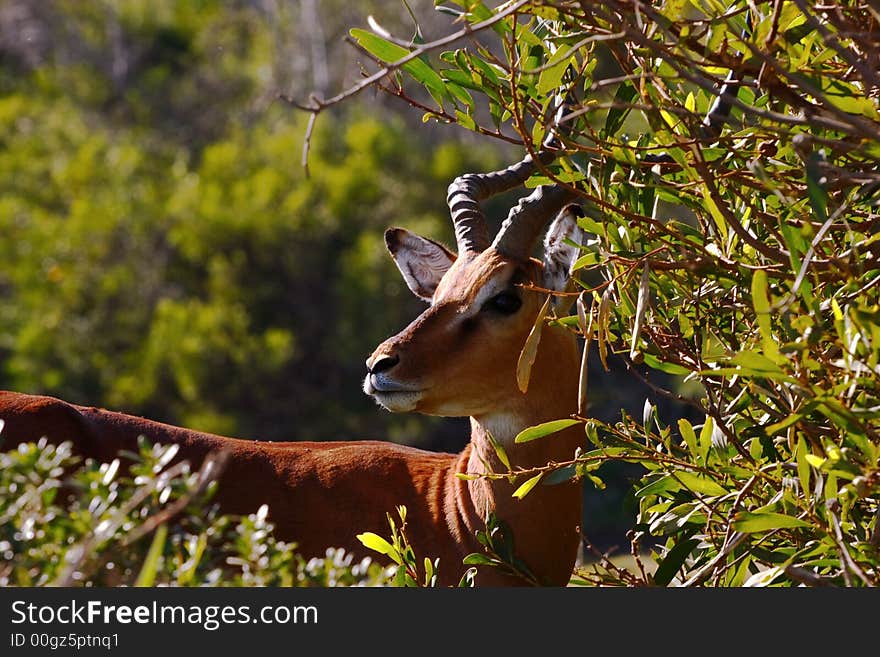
{"x": 466, "y": 192}
{"x": 528, "y": 217}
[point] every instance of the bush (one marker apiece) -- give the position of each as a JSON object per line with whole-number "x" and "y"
{"x": 72, "y": 523}
{"x": 734, "y": 250}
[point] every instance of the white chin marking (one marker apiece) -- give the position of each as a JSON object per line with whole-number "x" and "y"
{"x": 397, "y": 402}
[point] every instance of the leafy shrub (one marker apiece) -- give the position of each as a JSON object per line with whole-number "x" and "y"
{"x": 733, "y": 259}
{"x": 68, "y": 522}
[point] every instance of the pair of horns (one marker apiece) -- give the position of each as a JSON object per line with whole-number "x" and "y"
{"x": 525, "y": 220}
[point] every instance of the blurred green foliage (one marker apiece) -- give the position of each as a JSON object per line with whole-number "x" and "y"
{"x": 164, "y": 252}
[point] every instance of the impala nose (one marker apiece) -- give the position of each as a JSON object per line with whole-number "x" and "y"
{"x": 382, "y": 364}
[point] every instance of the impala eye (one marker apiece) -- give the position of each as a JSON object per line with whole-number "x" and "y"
{"x": 505, "y": 303}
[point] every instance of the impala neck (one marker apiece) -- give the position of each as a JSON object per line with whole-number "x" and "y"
{"x": 548, "y": 518}
{"x": 551, "y": 395}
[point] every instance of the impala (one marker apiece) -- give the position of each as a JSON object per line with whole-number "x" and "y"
{"x": 458, "y": 358}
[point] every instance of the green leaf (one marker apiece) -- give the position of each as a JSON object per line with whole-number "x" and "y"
{"x": 461, "y": 94}
{"x": 586, "y": 260}
{"x": 748, "y": 522}
{"x": 755, "y": 363}
{"x": 673, "y": 561}
{"x": 715, "y": 212}
{"x": 378, "y": 544}
{"x": 550, "y": 79}
{"x": 561, "y": 475}
{"x": 545, "y": 429}
{"x": 465, "y": 121}
{"x": 690, "y": 438}
{"x": 700, "y": 484}
{"x": 705, "y": 442}
{"x": 526, "y": 486}
{"x": 390, "y": 52}
{"x": 665, "y": 484}
{"x": 803, "y": 466}
{"x": 776, "y": 427}
{"x": 761, "y": 303}
{"x": 616, "y": 115}
{"x": 499, "y": 450}
{"x": 670, "y": 368}
{"x": 147, "y": 576}
{"x": 477, "y": 559}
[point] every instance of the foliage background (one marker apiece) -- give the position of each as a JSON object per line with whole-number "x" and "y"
{"x": 166, "y": 255}
{"x": 164, "y": 252}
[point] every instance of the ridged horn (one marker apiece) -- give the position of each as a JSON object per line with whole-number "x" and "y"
{"x": 528, "y": 217}
{"x": 466, "y": 192}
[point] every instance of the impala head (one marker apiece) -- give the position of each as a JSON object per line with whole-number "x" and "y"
{"x": 459, "y": 356}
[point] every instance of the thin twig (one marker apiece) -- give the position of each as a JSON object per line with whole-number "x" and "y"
{"x": 317, "y": 105}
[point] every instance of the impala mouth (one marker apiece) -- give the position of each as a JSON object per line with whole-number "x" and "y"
{"x": 392, "y": 395}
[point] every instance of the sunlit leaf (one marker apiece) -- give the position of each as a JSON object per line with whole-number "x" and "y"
{"x": 748, "y": 522}
{"x": 545, "y": 429}
{"x": 378, "y": 544}
{"x": 147, "y": 575}
{"x": 526, "y": 486}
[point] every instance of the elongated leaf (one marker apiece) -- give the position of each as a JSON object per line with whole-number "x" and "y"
{"x": 717, "y": 216}
{"x": 673, "y": 561}
{"x": 550, "y": 78}
{"x": 390, "y": 52}
{"x": 616, "y": 115}
{"x": 761, "y": 303}
{"x": 530, "y": 349}
{"x": 755, "y": 362}
{"x": 764, "y": 577}
{"x": 477, "y": 559}
{"x": 816, "y": 188}
{"x": 147, "y": 575}
{"x": 378, "y": 544}
{"x": 526, "y": 486}
{"x": 803, "y": 467}
{"x": 748, "y": 522}
{"x": 670, "y": 368}
{"x": 607, "y": 452}
{"x": 561, "y": 475}
{"x": 499, "y": 450}
{"x": 664, "y": 484}
{"x": 699, "y": 484}
{"x": 641, "y": 309}
{"x": 586, "y": 326}
{"x": 541, "y": 430}
{"x": 602, "y": 320}
{"x": 690, "y": 438}
{"x": 705, "y": 441}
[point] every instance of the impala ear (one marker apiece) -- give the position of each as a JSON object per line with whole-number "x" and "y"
{"x": 422, "y": 262}
{"x": 559, "y": 254}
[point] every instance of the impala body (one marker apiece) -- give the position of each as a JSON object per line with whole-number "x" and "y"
{"x": 458, "y": 358}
